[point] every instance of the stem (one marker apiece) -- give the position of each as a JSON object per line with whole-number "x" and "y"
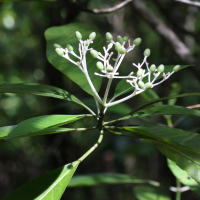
{"x": 178, "y": 193}
{"x": 89, "y": 80}
{"x": 169, "y": 120}
{"x": 84, "y": 129}
{"x": 107, "y": 91}
{"x": 118, "y": 63}
{"x": 93, "y": 147}
{"x": 113, "y": 121}
{"x": 116, "y": 66}
{"x": 97, "y": 104}
{"x": 121, "y": 100}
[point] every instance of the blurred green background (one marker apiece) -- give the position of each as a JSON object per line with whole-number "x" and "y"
{"x": 23, "y": 60}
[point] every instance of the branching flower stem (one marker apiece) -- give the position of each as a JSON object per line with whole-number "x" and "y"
{"x": 122, "y": 46}
{"x": 107, "y": 91}
{"x": 116, "y": 66}
{"x": 89, "y": 80}
{"x": 124, "y": 99}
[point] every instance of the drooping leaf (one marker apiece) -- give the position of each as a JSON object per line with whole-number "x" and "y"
{"x": 183, "y": 162}
{"x": 50, "y": 186}
{"x": 31, "y": 126}
{"x": 124, "y": 87}
{"x": 150, "y": 193}
{"x": 162, "y": 99}
{"x": 106, "y": 179}
{"x": 163, "y": 110}
{"x": 4, "y": 131}
{"x": 181, "y": 175}
{"x": 64, "y": 35}
{"x": 40, "y": 90}
{"x": 180, "y": 146}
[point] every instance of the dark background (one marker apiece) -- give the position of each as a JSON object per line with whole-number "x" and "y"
{"x": 23, "y": 60}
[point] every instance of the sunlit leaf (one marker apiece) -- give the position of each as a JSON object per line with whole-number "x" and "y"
{"x": 64, "y": 35}
{"x": 182, "y": 161}
{"x": 181, "y": 175}
{"x": 150, "y": 193}
{"x": 50, "y": 186}
{"x": 4, "y": 131}
{"x": 31, "y": 126}
{"x": 40, "y": 90}
{"x": 106, "y": 179}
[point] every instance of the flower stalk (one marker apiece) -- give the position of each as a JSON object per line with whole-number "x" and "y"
{"x": 145, "y": 78}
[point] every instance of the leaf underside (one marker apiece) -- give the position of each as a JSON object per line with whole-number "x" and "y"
{"x": 49, "y": 186}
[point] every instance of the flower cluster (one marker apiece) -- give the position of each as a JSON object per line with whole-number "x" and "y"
{"x": 144, "y": 78}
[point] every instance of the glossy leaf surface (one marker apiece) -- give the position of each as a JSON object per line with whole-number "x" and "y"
{"x": 31, "y": 126}
{"x": 4, "y": 131}
{"x": 106, "y": 178}
{"x": 50, "y": 186}
{"x": 40, "y": 90}
{"x": 180, "y": 146}
{"x": 182, "y": 161}
{"x": 64, "y": 35}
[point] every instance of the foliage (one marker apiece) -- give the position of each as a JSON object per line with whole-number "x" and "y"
{"x": 181, "y": 147}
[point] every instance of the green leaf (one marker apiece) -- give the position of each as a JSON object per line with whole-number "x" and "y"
{"x": 52, "y": 131}
{"x": 163, "y": 110}
{"x": 162, "y": 99}
{"x": 180, "y": 146}
{"x": 106, "y": 179}
{"x": 40, "y": 90}
{"x": 31, "y": 126}
{"x": 4, "y": 131}
{"x": 50, "y": 186}
{"x": 124, "y": 87}
{"x": 181, "y": 175}
{"x": 64, "y": 35}
{"x": 183, "y": 162}
{"x": 150, "y": 95}
{"x": 150, "y": 193}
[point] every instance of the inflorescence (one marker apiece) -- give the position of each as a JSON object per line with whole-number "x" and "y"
{"x": 122, "y": 46}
